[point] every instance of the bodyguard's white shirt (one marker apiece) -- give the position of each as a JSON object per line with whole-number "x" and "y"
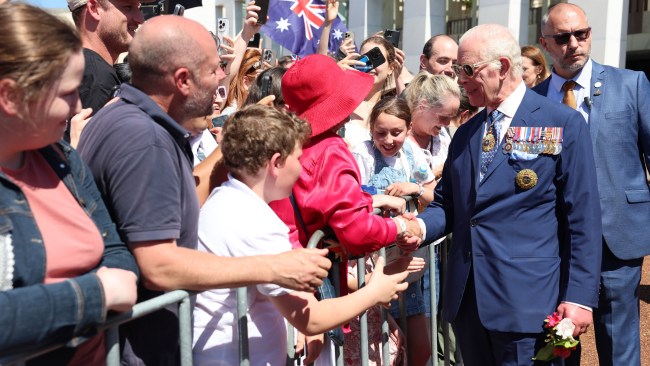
{"x": 581, "y": 90}
{"x": 235, "y": 222}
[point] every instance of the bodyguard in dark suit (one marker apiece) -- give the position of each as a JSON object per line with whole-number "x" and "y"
{"x": 518, "y": 184}
{"x": 616, "y": 105}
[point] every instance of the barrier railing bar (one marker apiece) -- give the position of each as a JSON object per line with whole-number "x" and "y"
{"x": 242, "y": 326}
{"x": 110, "y": 327}
{"x": 434, "y": 308}
{"x": 363, "y": 318}
{"x": 445, "y": 325}
{"x": 385, "y": 329}
{"x": 112, "y": 342}
{"x": 185, "y": 317}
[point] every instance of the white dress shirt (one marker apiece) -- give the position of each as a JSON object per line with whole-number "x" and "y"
{"x": 581, "y": 91}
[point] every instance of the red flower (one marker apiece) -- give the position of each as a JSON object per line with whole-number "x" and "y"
{"x": 553, "y": 320}
{"x": 561, "y": 352}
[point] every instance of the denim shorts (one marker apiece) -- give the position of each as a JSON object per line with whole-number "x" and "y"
{"x": 414, "y": 301}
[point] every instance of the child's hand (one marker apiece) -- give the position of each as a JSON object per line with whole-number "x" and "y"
{"x": 396, "y": 205}
{"x": 402, "y": 189}
{"x": 404, "y": 263}
{"x": 314, "y": 346}
{"x": 384, "y": 287}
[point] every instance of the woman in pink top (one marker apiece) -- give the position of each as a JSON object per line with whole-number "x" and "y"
{"x": 62, "y": 264}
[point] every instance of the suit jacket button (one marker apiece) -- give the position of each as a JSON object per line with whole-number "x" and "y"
{"x": 469, "y": 254}
{"x": 473, "y": 223}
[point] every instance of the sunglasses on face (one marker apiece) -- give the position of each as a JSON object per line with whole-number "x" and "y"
{"x": 468, "y": 69}
{"x": 222, "y": 92}
{"x": 564, "y": 38}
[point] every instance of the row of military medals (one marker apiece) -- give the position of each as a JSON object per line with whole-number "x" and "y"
{"x": 532, "y": 140}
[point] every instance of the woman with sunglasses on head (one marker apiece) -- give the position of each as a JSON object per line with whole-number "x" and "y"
{"x": 251, "y": 66}
{"x": 62, "y": 263}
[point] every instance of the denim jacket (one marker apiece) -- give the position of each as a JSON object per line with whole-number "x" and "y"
{"x": 31, "y": 312}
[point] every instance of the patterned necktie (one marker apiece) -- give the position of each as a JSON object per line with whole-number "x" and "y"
{"x": 490, "y": 141}
{"x": 200, "y": 153}
{"x": 569, "y": 98}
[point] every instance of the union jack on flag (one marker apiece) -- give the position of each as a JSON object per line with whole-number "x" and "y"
{"x": 297, "y": 25}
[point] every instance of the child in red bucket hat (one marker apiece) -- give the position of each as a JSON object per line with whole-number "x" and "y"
{"x": 328, "y": 192}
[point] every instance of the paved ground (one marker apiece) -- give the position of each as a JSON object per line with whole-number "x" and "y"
{"x": 589, "y": 356}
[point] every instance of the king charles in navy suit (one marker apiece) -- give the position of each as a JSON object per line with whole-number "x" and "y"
{"x": 517, "y": 217}
{"x": 615, "y": 103}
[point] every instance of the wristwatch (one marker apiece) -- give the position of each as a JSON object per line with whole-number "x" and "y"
{"x": 421, "y": 190}
{"x": 402, "y": 224}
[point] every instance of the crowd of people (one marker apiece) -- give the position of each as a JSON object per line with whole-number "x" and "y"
{"x": 195, "y": 164}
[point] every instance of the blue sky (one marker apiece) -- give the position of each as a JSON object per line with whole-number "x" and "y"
{"x": 49, "y": 3}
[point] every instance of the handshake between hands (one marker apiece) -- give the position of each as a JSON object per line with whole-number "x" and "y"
{"x": 408, "y": 240}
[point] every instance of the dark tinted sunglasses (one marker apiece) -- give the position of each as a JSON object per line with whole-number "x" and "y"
{"x": 468, "y": 69}
{"x": 564, "y": 38}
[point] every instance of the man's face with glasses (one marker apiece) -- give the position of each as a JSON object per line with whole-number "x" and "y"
{"x": 567, "y": 39}
{"x": 480, "y": 77}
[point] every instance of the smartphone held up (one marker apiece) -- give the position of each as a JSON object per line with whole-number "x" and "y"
{"x": 371, "y": 59}
{"x": 264, "y": 11}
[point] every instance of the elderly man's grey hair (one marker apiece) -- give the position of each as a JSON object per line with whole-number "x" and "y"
{"x": 497, "y": 41}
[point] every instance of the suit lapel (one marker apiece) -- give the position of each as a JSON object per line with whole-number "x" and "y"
{"x": 598, "y": 76}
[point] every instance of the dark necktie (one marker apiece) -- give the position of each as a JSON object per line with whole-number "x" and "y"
{"x": 490, "y": 141}
{"x": 569, "y": 98}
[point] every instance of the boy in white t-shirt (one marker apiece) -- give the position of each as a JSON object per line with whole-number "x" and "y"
{"x": 261, "y": 148}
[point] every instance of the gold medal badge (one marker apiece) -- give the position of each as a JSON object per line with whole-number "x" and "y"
{"x": 526, "y": 179}
{"x": 488, "y": 142}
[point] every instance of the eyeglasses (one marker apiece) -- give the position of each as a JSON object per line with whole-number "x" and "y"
{"x": 564, "y": 38}
{"x": 468, "y": 69}
{"x": 222, "y": 92}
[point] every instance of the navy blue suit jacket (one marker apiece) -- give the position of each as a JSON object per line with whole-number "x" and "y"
{"x": 511, "y": 237}
{"x": 619, "y": 124}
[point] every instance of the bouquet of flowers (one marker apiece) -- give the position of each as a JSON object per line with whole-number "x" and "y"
{"x": 559, "y": 340}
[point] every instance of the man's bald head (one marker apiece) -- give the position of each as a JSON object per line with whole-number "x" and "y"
{"x": 561, "y": 10}
{"x": 570, "y": 54}
{"x": 164, "y": 44}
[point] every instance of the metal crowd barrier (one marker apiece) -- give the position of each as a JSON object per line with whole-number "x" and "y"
{"x": 19, "y": 357}
{"x": 319, "y": 237}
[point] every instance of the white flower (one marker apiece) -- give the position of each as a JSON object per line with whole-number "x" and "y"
{"x": 565, "y": 328}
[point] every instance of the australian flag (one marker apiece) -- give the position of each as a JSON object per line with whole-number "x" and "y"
{"x": 297, "y": 25}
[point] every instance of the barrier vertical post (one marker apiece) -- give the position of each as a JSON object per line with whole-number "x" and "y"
{"x": 363, "y": 318}
{"x": 242, "y": 326}
{"x": 185, "y": 328}
{"x": 112, "y": 342}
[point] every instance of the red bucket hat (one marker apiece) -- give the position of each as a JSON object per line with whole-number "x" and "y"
{"x": 322, "y": 93}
